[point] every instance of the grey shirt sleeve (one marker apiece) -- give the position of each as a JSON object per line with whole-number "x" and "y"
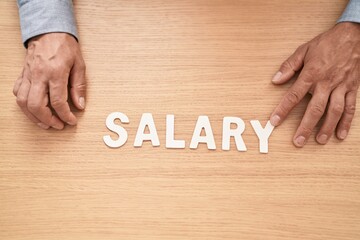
{"x": 44, "y": 16}
{"x": 352, "y": 12}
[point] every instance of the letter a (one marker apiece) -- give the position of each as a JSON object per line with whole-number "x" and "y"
{"x": 146, "y": 120}
{"x": 203, "y": 123}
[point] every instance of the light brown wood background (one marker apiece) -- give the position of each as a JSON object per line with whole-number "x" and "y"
{"x": 185, "y": 58}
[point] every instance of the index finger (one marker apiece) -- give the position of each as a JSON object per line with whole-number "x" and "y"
{"x": 58, "y": 99}
{"x": 292, "y": 97}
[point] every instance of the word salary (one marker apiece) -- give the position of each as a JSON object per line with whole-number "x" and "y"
{"x": 203, "y": 123}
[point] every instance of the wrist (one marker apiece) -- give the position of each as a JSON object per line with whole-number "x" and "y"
{"x": 352, "y": 26}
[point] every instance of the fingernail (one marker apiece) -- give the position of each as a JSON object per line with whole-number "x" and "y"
{"x": 343, "y": 134}
{"x": 322, "y": 138}
{"x": 58, "y": 127}
{"x": 275, "y": 120}
{"x": 277, "y": 77}
{"x": 300, "y": 141}
{"x": 82, "y": 102}
{"x": 43, "y": 126}
{"x": 71, "y": 124}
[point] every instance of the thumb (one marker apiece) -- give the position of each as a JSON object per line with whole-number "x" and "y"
{"x": 293, "y": 64}
{"x": 78, "y": 84}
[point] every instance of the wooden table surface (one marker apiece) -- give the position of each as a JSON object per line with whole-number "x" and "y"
{"x": 186, "y": 58}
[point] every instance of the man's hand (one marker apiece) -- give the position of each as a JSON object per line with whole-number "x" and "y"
{"x": 330, "y": 71}
{"x": 52, "y": 61}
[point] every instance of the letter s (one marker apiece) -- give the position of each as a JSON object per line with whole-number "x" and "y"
{"x": 120, "y": 131}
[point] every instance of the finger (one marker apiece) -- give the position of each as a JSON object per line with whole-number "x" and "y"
{"x": 293, "y": 64}
{"x": 292, "y": 97}
{"x": 333, "y": 115}
{"x": 313, "y": 113}
{"x": 37, "y": 105}
{"x": 78, "y": 85}
{"x": 58, "y": 98}
{"x": 348, "y": 115}
{"x": 18, "y": 83}
{"x": 22, "y": 99}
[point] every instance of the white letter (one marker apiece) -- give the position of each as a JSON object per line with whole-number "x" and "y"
{"x": 203, "y": 123}
{"x": 170, "y": 132}
{"x": 236, "y": 133}
{"x": 146, "y": 120}
{"x": 110, "y": 124}
{"x": 263, "y": 134}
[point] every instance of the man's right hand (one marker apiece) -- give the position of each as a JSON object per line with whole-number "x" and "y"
{"x": 52, "y": 61}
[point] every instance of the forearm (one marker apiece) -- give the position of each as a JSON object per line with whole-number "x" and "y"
{"x": 39, "y": 17}
{"x": 352, "y": 12}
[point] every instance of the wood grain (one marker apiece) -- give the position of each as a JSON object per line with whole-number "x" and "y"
{"x": 186, "y": 58}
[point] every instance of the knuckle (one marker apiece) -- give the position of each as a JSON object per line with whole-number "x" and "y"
{"x": 38, "y": 67}
{"x": 293, "y": 97}
{"x": 316, "y": 110}
{"x": 305, "y": 130}
{"x": 21, "y": 101}
{"x": 336, "y": 74}
{"x": 350, "y": 109}
{"x": 58, "y": 67}
{"x": 282, "y": 110}
{"x": 307, "y": 76}
{"x": 38, "y": 71}
{"x": 354, "y": 83}
{"x": 80, "y": 87}
{"x": 287, "y": 65}
{"x": 57, "y": 102}
{"x": 337, "y": 108}
{"x": 33, "y": 107}
{"x": 284, "y": 65}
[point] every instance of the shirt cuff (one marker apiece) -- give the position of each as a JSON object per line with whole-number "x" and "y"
{"x": 40, "y": 16}
{"x": 352, "y": 12}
